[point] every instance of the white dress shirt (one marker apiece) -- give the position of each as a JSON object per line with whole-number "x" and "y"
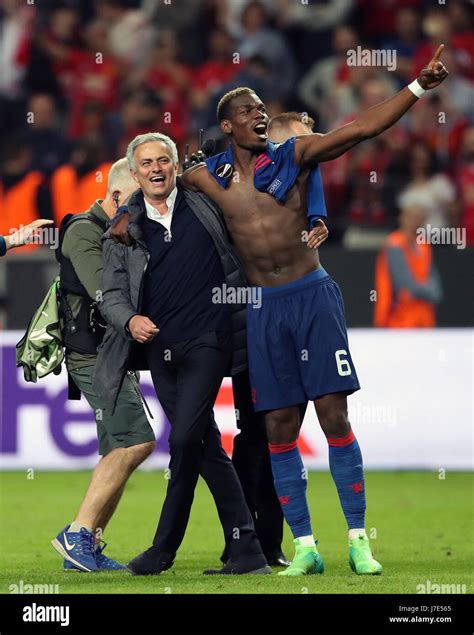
{"x": 165, "y": 220}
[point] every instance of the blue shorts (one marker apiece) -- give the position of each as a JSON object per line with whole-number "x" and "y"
{"x": 297, "y": 343}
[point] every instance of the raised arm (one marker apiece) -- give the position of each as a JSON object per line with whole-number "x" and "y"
{"x": 312, "y": 149}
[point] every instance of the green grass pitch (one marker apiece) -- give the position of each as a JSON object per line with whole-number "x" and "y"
{"x": 421, "y": 527}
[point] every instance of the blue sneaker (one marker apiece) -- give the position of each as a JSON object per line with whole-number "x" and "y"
{"x": 103, "y": 563}
{"x": 77, "y": 548}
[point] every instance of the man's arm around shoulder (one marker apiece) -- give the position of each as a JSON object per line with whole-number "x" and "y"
{"x": 193, "y": 178}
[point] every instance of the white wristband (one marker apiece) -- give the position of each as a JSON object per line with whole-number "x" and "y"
{"x": 416, "y": 89}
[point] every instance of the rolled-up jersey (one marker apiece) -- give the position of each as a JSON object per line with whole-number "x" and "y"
{"x": 276, "y": 172}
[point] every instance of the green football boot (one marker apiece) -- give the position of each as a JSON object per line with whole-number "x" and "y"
{"x": 307, "y": 561}
{"x": 361, "y": 559}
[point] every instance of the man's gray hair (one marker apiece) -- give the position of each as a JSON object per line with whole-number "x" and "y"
{"x": 147, "y": 138}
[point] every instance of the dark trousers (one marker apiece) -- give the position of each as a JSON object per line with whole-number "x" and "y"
{"x": 251, "y": 459}
{"x": 187, "y": 377}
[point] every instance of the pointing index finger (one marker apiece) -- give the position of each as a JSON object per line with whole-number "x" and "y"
{"x": 436, "y": 56}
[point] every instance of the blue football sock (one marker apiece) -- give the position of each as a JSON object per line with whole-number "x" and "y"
{"x": 290, "y": 481}
{"x": 345, "y": 462}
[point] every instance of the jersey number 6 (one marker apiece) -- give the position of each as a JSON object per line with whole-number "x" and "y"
{"x": 343, "y": 366}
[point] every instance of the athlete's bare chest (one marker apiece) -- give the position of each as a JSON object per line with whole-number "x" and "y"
{"x": 241, "y": 200}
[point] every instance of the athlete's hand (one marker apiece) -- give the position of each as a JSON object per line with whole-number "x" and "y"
{"x": 435, "y": 73}
{"x": 26, "y": 234}
{"x": 142, "y": 329}
{"x": 119, "y": 230}
{"x": 317, "y": 235}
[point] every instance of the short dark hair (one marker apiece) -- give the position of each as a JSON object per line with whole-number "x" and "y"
{"x": 286, "y": 118}
{"x": 224, "y": 105}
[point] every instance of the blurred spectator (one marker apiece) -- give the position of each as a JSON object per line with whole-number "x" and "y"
{"x": 170, "y": 80}
{"x": 439, "y": 26}
{"x": 130, "y": 33}
{"x": 377, "y": 19}
{"x": 172, "y": 15}
{"x": 96, "y": 123}
{"x": 23, "y": 198}
{"x": 353, "y": 169}
{"x": 397, "y": 171}
{"x": 75, "y": 184}
{"x": 309, "y": 27}
{"x": 429, "y": 187}
{"x": 221, "y": 66}
{"x": 316, "y": 16}
{"x": 85, "y": 75}
{"x": 406, "y": 280}
{"x": 184, "y": 17}
{"x": 258, "y": 38}
{"x": 327, "y": 90}
{"x": 233, "y": 10}
{"x": 458, "y": 95}
{"x": 367, "y": 175}
{"x": 434, "y": 123}
{"x": 461, "y": 15}
{"x": 465, "y": 184}
{"x": 17, "y": 26}
{"x": 44, "y": 134}
{"x": 140, "y": 112}
{"x": 404, "y": 41}
{"x": 54, "y": 44}
{"x": 95, "y": 76}
{"x": 218, "y": 71}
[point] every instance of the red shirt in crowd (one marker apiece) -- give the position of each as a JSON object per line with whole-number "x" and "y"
{"x": 86, "y": 79}
{"x": 213, "y": 74}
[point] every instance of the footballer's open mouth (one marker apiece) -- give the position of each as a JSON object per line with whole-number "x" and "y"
{"x": 261, "y": 130}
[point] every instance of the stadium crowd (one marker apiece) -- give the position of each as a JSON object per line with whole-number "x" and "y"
{"x": 81, "y": 79}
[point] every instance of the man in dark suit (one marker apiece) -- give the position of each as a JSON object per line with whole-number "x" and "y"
{"x": 167, "y": 292}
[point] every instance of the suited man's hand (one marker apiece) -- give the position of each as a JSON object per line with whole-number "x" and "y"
{"x": 142, "y": 329}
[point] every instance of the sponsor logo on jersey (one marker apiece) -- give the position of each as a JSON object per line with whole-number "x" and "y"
{"x": 225, "y": 171}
